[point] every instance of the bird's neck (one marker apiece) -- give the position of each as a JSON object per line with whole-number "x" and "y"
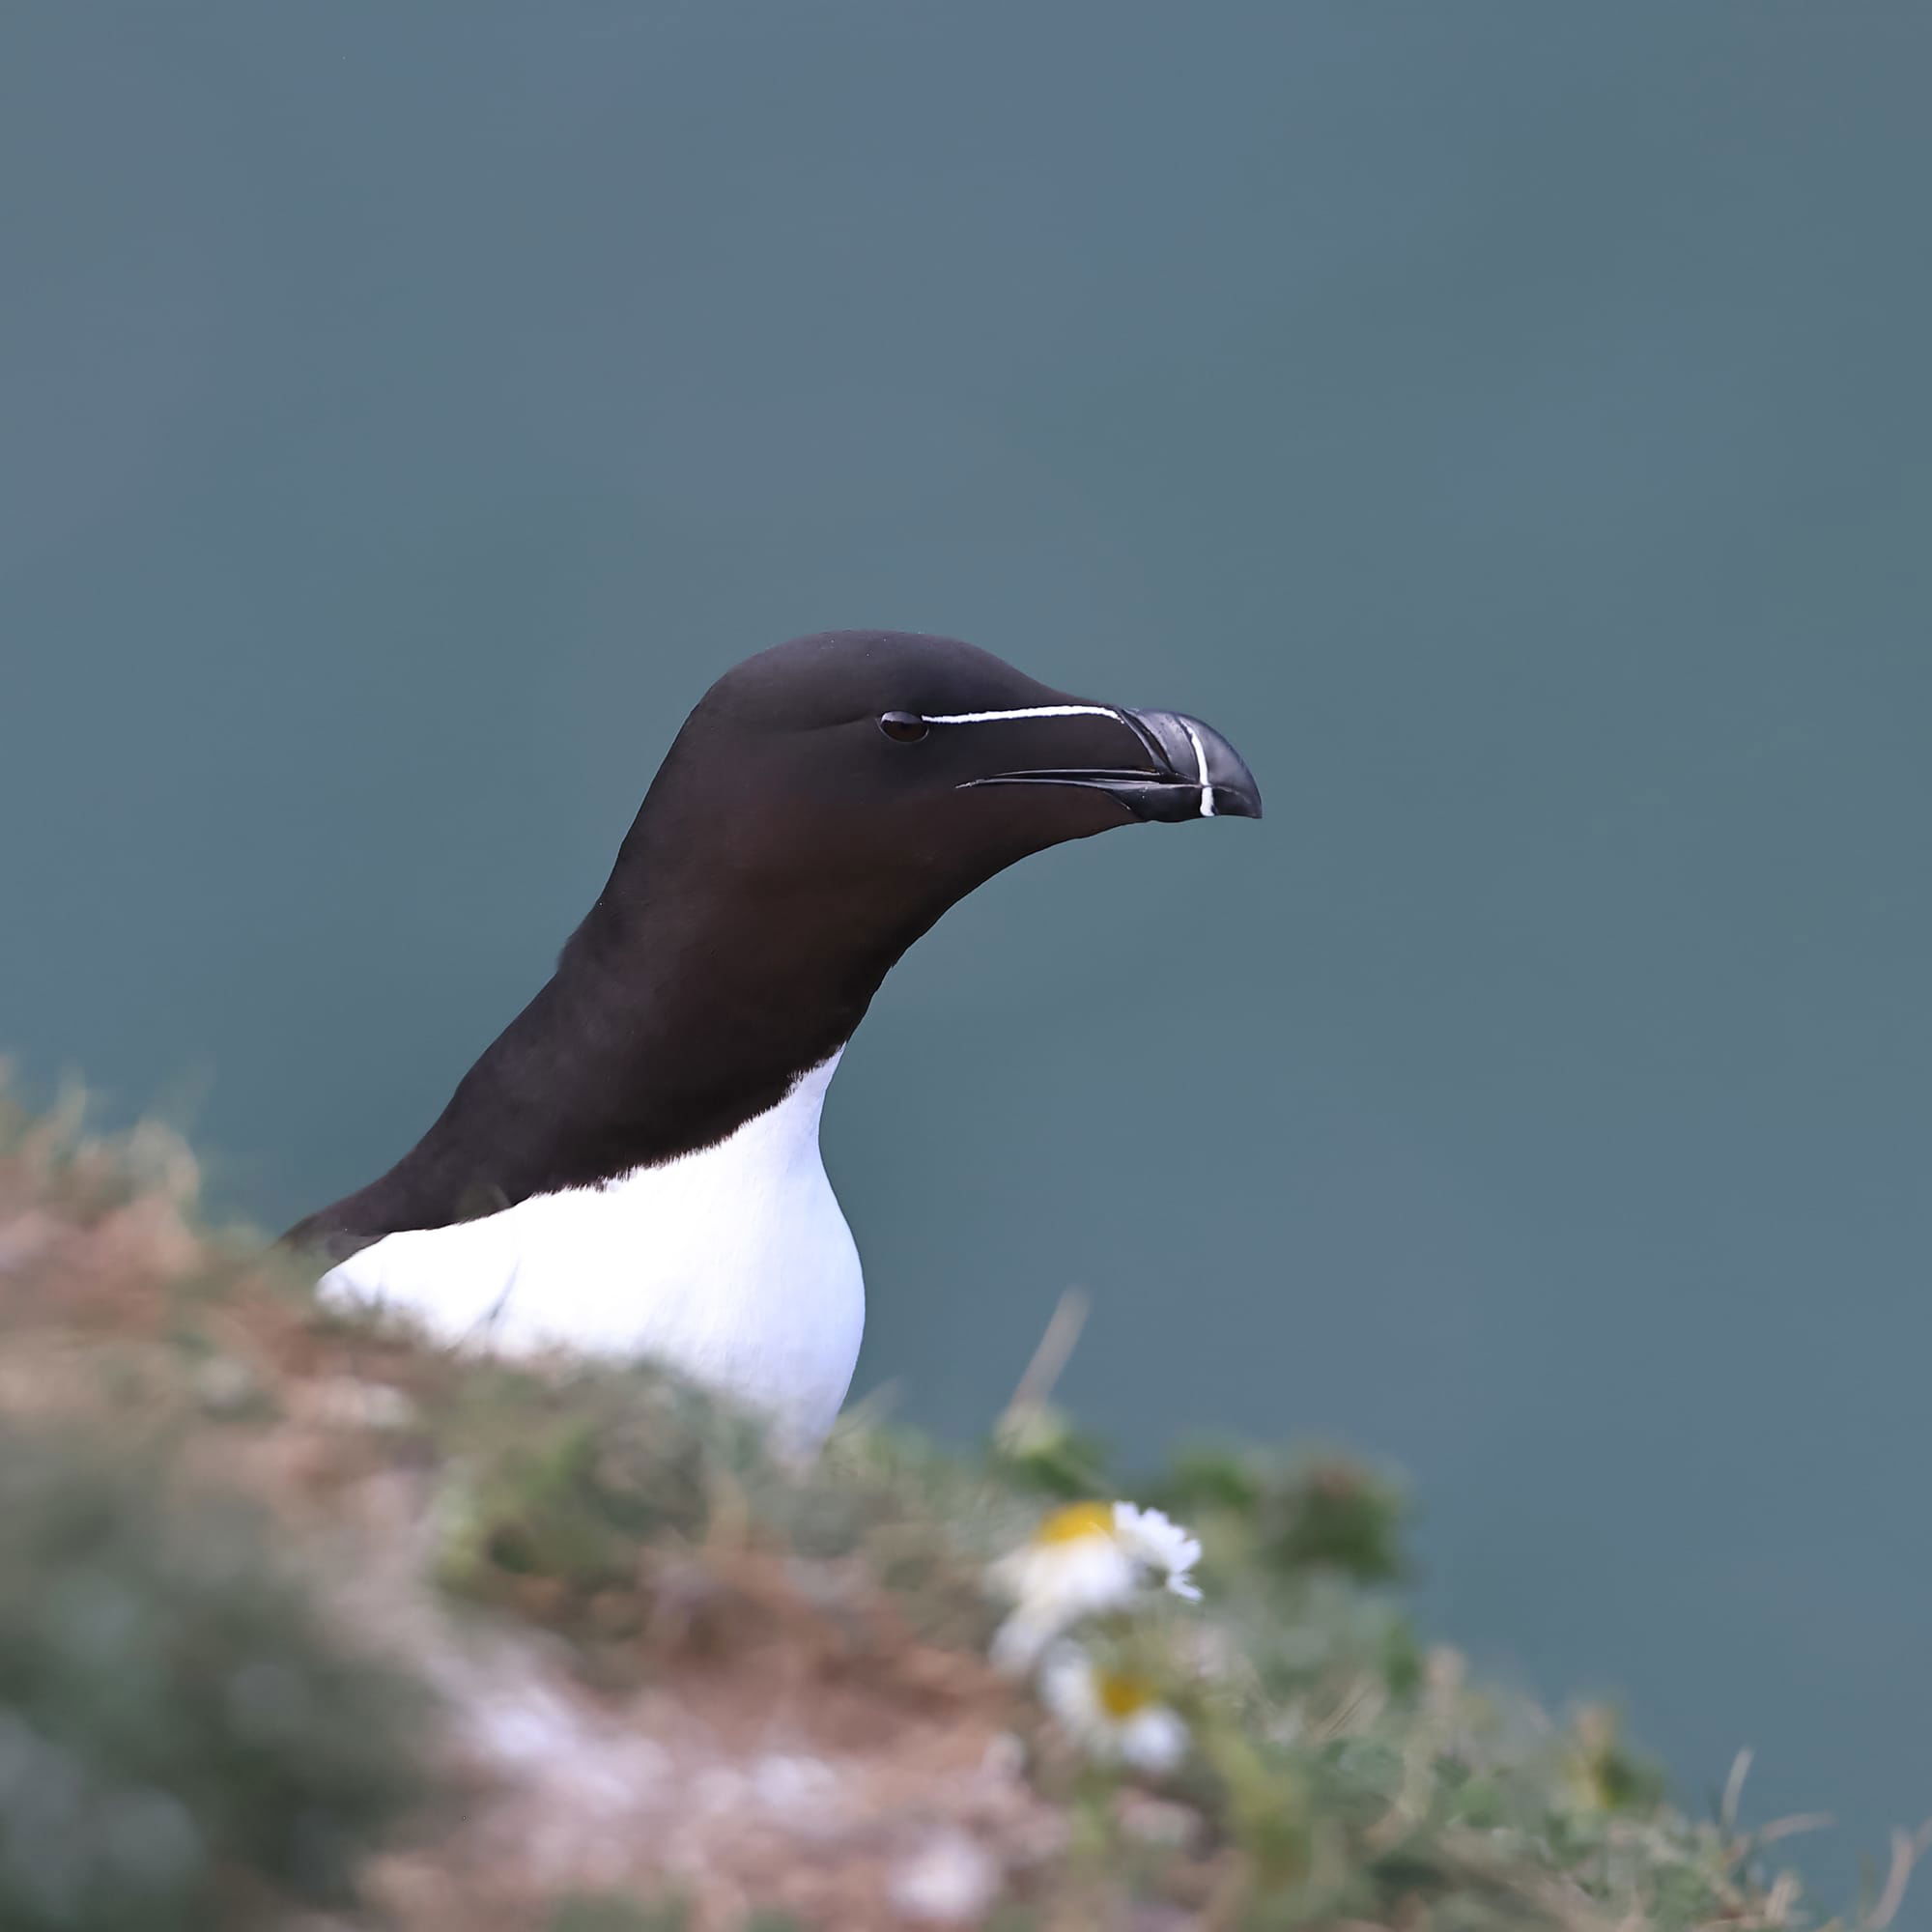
{"x": 686, "y": 1004}
{"x": 672, "y": 1021}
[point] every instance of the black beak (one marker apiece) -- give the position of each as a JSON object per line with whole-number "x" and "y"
{"x": 1190, "y": 771}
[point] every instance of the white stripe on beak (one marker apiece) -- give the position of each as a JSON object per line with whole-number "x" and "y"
{"x": 1201, "y": 769}
{"x": 1030, "y": 711}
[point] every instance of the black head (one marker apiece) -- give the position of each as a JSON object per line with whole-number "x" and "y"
{"x": 907, "y": 769}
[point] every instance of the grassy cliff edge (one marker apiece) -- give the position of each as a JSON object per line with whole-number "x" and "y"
{"x": 305, "y": 1622}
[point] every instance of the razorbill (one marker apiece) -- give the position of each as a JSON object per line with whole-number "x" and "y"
{"x": 633, "y": 1166}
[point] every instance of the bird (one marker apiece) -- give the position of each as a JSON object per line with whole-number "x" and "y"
{"x": 632, "y": 1168}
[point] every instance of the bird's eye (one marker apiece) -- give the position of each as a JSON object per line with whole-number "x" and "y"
{"x": 904, "y": 728}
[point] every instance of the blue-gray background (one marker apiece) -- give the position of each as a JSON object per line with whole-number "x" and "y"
{"x": 1509, "y": 423}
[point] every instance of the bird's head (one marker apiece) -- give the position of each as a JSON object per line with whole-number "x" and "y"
{"x": 828, "y": 800}
{"x": 893, "y": 762}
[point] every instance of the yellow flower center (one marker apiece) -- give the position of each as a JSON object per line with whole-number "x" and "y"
{"x": 1120, "y": 1693}
{"x": 1075, "y": 1520}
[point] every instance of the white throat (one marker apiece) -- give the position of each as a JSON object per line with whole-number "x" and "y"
{"x": 732, "y": 1264}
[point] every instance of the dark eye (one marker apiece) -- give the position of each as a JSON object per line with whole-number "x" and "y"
{"x": 904, "y": 728}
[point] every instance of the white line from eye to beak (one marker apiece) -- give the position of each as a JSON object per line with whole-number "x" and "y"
{"x": 1201, "y": 769}
{"x": 1085, "y": 711}
{"x": 1030, "y": 711}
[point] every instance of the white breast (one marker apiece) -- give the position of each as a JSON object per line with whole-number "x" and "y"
{"x": 733, "y": 1265}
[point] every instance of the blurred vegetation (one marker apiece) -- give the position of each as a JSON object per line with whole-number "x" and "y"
{"x": 191, "y": 1736}
{"x": 183, "y": 1742}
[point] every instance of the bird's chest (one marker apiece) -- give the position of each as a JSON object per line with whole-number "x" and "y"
{"x": 733, "y": 1265}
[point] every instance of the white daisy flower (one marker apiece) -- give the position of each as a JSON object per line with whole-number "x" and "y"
{"x": 1111, "y": 1714}
{"x": 1084, "y": 1558}
{"x": 1071, "y": 1567}
{"x": 1155, "y": 1540}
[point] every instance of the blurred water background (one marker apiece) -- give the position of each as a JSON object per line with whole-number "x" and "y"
{"x": 1510, "y": 424}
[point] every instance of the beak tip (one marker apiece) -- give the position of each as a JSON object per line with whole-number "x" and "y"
{"x": 1195, "y": 750}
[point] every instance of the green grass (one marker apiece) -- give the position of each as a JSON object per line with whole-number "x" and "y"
{"x": 183, "y": 1741}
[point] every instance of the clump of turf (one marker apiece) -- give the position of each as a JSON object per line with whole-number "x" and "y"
{"x": 182, "y": 1742}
